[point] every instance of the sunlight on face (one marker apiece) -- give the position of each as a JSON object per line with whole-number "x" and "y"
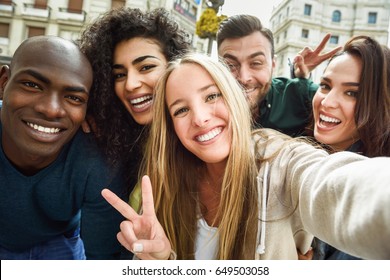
{"x": 199, "y": 113}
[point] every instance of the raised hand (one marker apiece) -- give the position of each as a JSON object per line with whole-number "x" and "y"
{"x": 141, "y": 233}
{"x": 308, "y": 59}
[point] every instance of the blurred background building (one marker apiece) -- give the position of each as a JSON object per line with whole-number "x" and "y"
{"x": 295, "y": 23}
{"x": 21, "y": 19}
{"x": 300, "y": 23}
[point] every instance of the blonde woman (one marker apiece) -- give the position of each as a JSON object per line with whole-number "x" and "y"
{"x": 219, "y": 191}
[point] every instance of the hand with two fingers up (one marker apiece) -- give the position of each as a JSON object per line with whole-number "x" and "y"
{"x": 141, "y": 233}
{"x": 308, "y": 59}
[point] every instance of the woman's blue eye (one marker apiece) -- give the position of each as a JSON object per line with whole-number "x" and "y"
{"x": 213, "y": 96}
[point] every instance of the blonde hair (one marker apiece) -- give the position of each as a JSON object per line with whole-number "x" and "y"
{"x": 174, "y": 171}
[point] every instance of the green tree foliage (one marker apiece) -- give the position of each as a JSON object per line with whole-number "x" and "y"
{"x": 208, "y": 23}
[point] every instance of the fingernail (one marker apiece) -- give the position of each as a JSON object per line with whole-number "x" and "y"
{"x": 138, "y": 248}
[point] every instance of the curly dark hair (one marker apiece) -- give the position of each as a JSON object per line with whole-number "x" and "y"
{"x": 118, "y": 135}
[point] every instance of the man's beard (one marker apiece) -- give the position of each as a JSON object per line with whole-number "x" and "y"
{"x": 257, "y": 96}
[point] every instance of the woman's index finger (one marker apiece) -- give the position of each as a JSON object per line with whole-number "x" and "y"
{"x": 322, "y": 45}
{"x": 121, "y": 206}
{"x": 147, "y": 197}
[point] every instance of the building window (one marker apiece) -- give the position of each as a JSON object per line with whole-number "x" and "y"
{"x": 193, "y": 10}
{"x": 75, "y": 6}
{"x": 4, "y": 33}
{"x": 4, "y": 30}
{"x": 186, "y": 5}
{"x": 117, "y": 4}
{"x": 307, "y": 11}
{"x": 305, "y": 33}
{"x": 288, "y": 11}
{"x": 285, "y": 34}
{"x": 336, "y": 16}
{"x": 35, "y": 31}
{"x": 334, "y": 40}
{"x": 372, "y": 17}
{"x": 40, "y": 4}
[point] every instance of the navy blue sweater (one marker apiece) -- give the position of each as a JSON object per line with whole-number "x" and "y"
{"x": 59, "y": 198}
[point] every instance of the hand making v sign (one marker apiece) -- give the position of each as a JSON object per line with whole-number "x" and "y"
{"x": 141, "y": 233}
{"x": 308, "y": 59}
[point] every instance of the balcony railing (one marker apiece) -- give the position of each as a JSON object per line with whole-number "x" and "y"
{"x": 4, "y": 41}
{"x": 71, "y": 15}
{"x": 32, "y": 10}
{"x": 7, "y": 9}
{"x": 4, "y": 49}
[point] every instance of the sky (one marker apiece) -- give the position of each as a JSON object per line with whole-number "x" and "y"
{"x": 260, "y": 8}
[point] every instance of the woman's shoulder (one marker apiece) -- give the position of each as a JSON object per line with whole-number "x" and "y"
{"x": 268, "y": 142}
{"x": 266, "y": 135}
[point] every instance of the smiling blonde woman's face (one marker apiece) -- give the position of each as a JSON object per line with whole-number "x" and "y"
{"x": 199, "y": 113}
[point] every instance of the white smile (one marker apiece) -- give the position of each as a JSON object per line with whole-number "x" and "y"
{"x": 49, "y": 130}
{"x": 209, "y": 135}
{"x": 142, "y": 102}
{"x": 329, "y": 119}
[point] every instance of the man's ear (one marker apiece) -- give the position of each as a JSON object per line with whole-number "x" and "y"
{"x": 4, "y": 76}
{"x": 274, "y": 62}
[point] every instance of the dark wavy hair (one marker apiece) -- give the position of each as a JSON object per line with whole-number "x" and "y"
{"x": 118, "y": 135}
{"x": 372, "y": 111}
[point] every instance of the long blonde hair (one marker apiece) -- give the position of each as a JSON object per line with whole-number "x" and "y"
{"x": 174, "y": 172}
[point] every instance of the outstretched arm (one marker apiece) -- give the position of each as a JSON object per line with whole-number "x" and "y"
{"x": 141, "y": 234}
{"x": 308, "y": 59}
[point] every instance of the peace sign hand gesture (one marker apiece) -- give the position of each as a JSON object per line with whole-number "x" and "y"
{"x": 307, "y": 59}
{"x": 141, "y": 234}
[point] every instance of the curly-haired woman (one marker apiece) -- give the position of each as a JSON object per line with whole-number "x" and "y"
{"x": 129, "y": 50}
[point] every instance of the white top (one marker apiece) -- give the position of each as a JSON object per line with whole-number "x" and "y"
{"x": 206, "y": 242}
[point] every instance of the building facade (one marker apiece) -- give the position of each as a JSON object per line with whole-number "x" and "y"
{"x": 300, "y": 23}
{"x": 21, "y": 19}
